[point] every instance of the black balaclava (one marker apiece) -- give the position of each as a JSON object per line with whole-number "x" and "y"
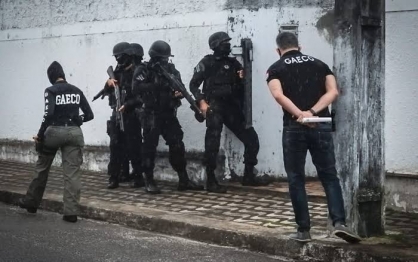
{"x": 123, "y": 60}
{"x": 223, "y": 49}
{"x": 163, "y": 60}
{"x": 54, "y": 72}
{"x": 137, "y": 59}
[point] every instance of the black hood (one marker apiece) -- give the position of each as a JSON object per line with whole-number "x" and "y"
{"x": 54, "y": 72}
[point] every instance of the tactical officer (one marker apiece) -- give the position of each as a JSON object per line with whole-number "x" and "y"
{"x": 305, "y": 86}
{"x": 221, "y": 100}
{"x": 137, "y": 53}
{"x": 130, "y": 140}
{"x": 159, "y": 116}
{"x": 60, "y": 129}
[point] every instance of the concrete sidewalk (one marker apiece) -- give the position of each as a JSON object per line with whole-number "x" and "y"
{"x": 255, "y": 219}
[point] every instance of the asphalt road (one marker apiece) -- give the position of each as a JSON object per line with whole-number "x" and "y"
{"x": 46, "y": 237}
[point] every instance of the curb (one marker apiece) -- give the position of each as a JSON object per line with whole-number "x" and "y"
{"x": 225, "y": 233}
{"x": 269, "y": 192}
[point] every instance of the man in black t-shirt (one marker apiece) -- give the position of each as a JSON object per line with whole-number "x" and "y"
{"x": 305, "y": 86}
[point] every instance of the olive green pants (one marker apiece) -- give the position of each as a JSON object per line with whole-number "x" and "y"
{"x": 71, "y": 142}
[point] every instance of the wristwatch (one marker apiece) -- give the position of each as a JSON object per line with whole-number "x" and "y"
{"x": 312, "y": 111}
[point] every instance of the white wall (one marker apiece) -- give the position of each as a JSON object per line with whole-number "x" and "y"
{"x": 262, "y": 27}
{"x": 401, "y": 102}
{"x": 80, "y": 35}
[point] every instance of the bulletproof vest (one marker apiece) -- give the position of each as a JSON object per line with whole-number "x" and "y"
{"x": 222, "y": 79}
{"x": 163, "y": 97}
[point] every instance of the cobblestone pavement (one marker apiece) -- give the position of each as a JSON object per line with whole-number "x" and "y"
{"x": 243, "y": 206}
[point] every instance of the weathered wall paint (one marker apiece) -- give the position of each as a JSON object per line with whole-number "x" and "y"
{"x": 81, "y": 34}
{"x": 262, "y": 26}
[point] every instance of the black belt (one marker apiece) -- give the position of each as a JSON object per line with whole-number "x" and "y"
{"x": 63, "y": 123}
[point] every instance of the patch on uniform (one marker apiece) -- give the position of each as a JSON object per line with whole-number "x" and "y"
{"x": 46, "y": 101}
{"x": 46, "y": 94}
{"x": 140, "y": 78}
{"x": 199, "y": 68}
{"x": 226, "y": 67}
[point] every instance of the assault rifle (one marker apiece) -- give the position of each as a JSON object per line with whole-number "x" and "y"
{"x": 119, "y": 98}
{"x": 100, "y": 94}
{"x": 176, "y": 85}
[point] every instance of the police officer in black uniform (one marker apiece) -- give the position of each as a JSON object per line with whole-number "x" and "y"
{"x": 60, "y": 129}
{"x": 159, "y": 117}
{"x": 221, "y": 99}
{"x": 305, "y": 86}
{"x": 130, "y": 140}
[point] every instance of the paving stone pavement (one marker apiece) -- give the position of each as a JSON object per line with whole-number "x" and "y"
{"x": 242, "y": 206}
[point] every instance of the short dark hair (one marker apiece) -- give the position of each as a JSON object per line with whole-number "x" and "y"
{"x": 286, "y": 40}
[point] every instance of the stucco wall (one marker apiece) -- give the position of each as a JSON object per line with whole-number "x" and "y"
{"x": 81, "y": 34}
{"x": 401, "y": 86}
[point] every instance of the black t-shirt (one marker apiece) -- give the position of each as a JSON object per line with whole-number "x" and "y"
{"x": 303, "y": 80}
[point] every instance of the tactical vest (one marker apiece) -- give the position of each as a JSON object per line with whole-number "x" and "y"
{"x": 222, "y": 79}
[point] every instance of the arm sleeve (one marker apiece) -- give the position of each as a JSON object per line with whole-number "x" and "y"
{"x": 140, "y": 82}
{"x": 238, "y": 65}
{"x": 49, "y": 112}
{"x": 133, "y": 102}
{"x": 197, "y": 80}
{"x": 85, "y": 107}
{"x": 327, "y": 70}
{"x": 273, "y": 73}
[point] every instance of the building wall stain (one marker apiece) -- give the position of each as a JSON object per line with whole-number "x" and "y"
{"x": 325, "y": 25}
{"x": 255, "y": 5}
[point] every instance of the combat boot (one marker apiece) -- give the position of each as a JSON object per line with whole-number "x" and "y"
{"x": 113, "y": 184}
{"x": 138, "y": 181}
{"x": 249, "y": 178}
{"x": 138, "y": 178}
{"x": 186, "y": 184}
{"x": 150, "y": 185}
{"x": 212, "y": 184}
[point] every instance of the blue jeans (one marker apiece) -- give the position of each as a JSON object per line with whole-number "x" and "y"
{"x": 297, "y": 140}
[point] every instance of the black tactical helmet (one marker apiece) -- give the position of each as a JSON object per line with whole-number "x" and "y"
{"x": 121, "y": 48}
{"x": 217, "y": 38}
{"x": 160, "y": 49}
{"x": 136, "y": 50}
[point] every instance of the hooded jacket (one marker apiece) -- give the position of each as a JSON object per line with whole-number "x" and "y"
{"x": 63, "y": 102}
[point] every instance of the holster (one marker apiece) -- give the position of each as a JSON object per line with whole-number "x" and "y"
{"x": 39, "y": 147}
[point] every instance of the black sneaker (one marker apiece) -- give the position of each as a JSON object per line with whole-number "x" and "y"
{"x": 343, "y": 232}
{"x": 71, "y": 219}
{"x": 302, "y": 237}
{"x": 28, "y": 208}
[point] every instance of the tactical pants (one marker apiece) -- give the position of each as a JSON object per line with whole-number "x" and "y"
{"x": 71, "y": 141}
{"x": 221, "y": 113}
{"x": 133, "y": 140}
{"x": 166, "y": 124}
{"x": 122, "y": 143}
{"x": 117, "y": 147}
